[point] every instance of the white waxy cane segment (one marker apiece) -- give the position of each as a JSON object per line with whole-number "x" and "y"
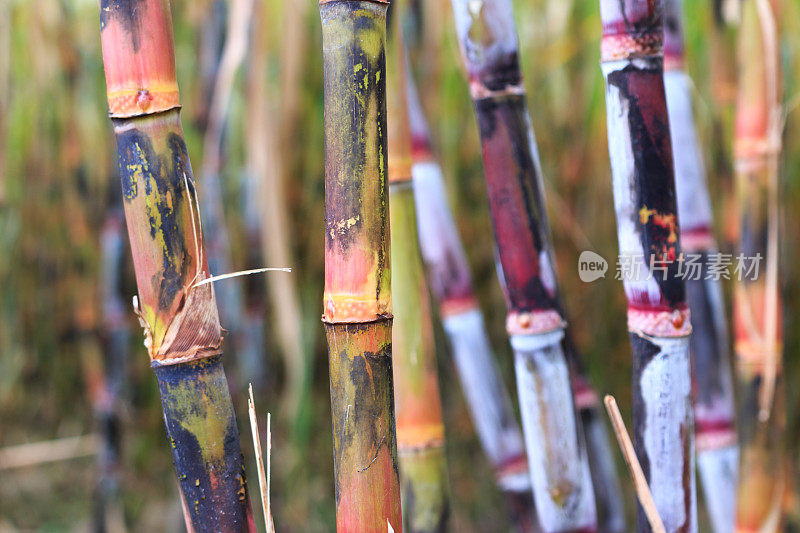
{"x": 645, "y": 202}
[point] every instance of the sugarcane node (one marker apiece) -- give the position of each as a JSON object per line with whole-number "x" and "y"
{"x": 534, "y": 322}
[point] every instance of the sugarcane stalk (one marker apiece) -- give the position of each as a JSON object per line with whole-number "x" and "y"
{"x": 757, "y": 306}
{"x": 649, "y": 246}
{"x": 180, "y": 320}
{"x": 357, "y": 300}
{"x": 256, "y": 206}
{"x": 712, "y": 381}
{"x": 99, "y": 323}
{"x": 115, "y": 338}
{"x": 603, "y": 468}
{"x": 293, "y": 52}
{"x": 556, "y": 452}
{"x": 722, "y": 52}
{"x": 450, "y": 282}
{"x": 418, "y": 405}
{"x": 229, "y": 293}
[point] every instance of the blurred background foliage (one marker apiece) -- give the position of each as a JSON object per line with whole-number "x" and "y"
{"x": 58, "y": 179}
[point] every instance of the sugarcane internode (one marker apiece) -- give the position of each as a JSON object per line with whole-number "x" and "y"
{"x": 357, "y": 307}
{"x": 558, "y": 463}
{"x": 179, "y": 317}
{"x": 647, "y": 229}
{"x": 138, "y": 57}
{"x": 714, "y": 413}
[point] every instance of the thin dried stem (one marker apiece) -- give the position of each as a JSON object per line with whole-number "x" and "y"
{"x": 639, "y": 481}
{"x": 267, "y": 162}
{"x": 241, "y": 273}
{"x": 232, "y": 57}
{"x": 263, "y": 478}
{"x": 37, "y": 453}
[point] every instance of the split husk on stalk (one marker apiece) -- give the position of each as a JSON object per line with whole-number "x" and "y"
{"x": 649, "y": 246}
{"x": 182, "y": 329}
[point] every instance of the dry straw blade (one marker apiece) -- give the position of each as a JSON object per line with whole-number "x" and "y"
{"x": 639, "y": 481}
{"x": 37, "y": 453}
{"x": 263, "y": 476}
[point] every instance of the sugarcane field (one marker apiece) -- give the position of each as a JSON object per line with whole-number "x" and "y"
{"x": 400, "y": 265}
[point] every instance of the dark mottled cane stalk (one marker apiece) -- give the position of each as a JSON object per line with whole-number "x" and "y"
{"x": 649, "y": 246}
{"x": 712, "y": 382}
{"x": 116, "y": 340}
{"x": 757, "y": 309}
{"x": 558, "y": 464}
{"x": 357, "y": 307}
{"x": 420, "y": 428}
{"x": 450, "y": 281}
{"x": 180, "y": 320}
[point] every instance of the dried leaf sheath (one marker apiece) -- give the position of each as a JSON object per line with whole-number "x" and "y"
{"x": 648, "y": 234}
{"x": 182, "y": 330}
{"x": 357, "y": 299}
{"x": 450, "y": 281}
{"x": 556, "y": 453}
{"x": 757, "y": 308}
{"x": 420, "y": 429}
{"x": 715, "y": 431}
